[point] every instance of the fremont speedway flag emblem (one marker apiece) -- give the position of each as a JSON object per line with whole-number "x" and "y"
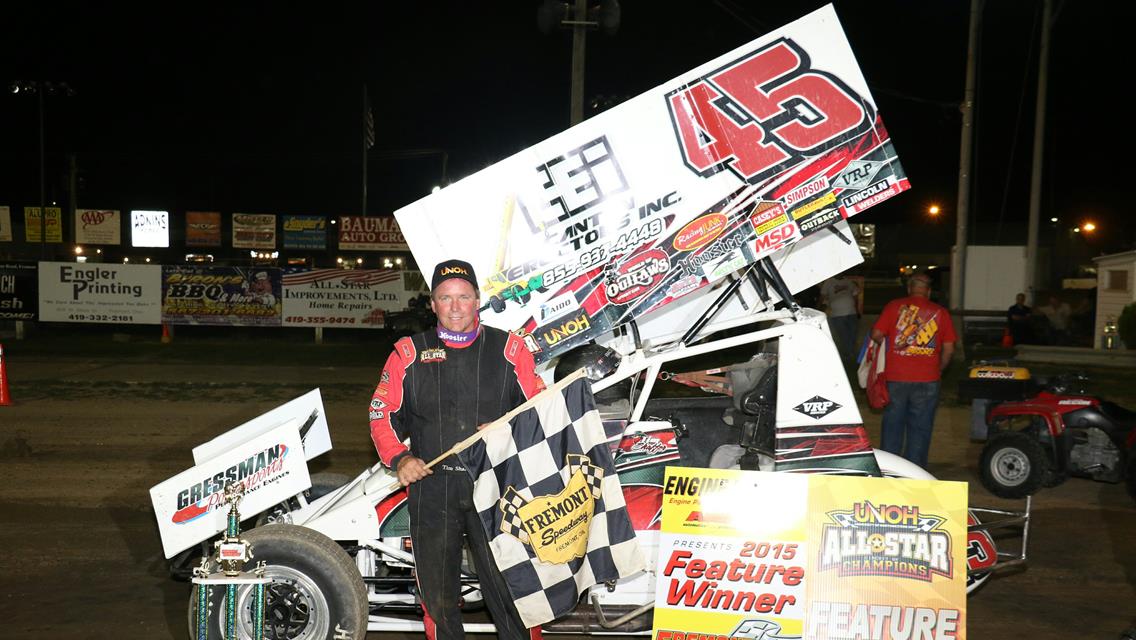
{"x": 552, "y": 506}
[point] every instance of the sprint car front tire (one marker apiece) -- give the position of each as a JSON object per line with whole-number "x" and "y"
{"x": 315, "y": 593}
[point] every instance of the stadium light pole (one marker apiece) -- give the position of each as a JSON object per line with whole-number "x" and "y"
{"x": 41, "y": 88}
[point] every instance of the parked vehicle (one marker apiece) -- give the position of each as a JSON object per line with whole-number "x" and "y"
{"x": 1041, "y": 431}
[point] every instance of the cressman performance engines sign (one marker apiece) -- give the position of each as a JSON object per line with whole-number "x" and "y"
{"x": 108, "y": 293}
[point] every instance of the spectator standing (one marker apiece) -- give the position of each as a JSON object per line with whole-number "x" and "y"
{"x": 1018, "y": 320}
{"x": 919, "y": 339}
{"x": 1057, "y": 314}
{"x": 841, "y": 299}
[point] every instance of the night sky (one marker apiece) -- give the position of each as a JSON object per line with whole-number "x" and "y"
{"x": 256, "y": 107}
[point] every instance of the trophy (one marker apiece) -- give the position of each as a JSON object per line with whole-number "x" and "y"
{"x": 232, "y": 553}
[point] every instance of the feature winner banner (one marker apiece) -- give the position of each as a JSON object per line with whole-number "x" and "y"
{"x": 111, "y": 293}
{"x": 345, "y": 299}
{"x": 221, "y": 296}
{"x": 816, "y": 558}
{"x": 659, "y": 197}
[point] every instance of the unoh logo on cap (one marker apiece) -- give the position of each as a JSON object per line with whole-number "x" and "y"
{"x": 448, "y": 270}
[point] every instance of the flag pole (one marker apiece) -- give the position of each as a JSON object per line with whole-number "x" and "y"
{"x": 503, "y": 420}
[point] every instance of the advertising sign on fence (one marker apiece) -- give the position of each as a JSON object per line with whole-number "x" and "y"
{"x": 220, "y": 296}
{"x": 657, "y": 198}
{"x": 254, "y": 231}
{"x": 33, "y": 230}
{"x": 823, "y": 557}
{"x": 202, "y": 229}
{"x": 150, "y": 228}
{"x": 98, "y": 226}
{"x": 371, "y": 233}
{"x": 18, "y": 285}
{"x": 5, "y": 224}
{"x": 357, "y": 299}
{"x": 105, "y": 293}
{"x": 305, "y": 232}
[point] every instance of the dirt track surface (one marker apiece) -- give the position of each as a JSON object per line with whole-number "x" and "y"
{"x": 86, "y": 440}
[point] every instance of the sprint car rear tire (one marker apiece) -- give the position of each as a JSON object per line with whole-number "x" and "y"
{"x": 1013, "y": 465}
{"x": 316, "y": 592}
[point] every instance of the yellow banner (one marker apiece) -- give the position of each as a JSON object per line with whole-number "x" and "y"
{"x": 776, "y": 555}
{"x": 33, "y": 228}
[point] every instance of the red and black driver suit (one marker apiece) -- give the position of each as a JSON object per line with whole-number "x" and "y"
{"x": 437, "y": 393}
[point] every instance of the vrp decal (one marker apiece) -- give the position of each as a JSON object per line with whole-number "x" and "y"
{"x": 817, "y": 407}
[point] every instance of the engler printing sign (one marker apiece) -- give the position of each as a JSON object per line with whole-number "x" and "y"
{"x": 110, "y": 293}
{"x": 659, "y": 197}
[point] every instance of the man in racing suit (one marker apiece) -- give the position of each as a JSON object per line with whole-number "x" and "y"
{"x": 437, "y": 388}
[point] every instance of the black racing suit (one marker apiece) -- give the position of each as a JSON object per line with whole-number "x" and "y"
{"x": 437, "y": 394}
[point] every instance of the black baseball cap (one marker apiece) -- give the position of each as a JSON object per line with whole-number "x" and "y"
{"x": 453, "y": 269}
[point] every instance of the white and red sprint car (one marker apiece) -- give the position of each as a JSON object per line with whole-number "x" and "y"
{"x": 339, "y": 555}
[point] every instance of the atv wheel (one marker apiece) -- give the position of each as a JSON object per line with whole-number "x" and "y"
{"x": 315, "y": 593}
{"x": 1013, "y": 465}
{"x": 322, "y": 484}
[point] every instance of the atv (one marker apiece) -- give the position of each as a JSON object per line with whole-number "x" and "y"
{"x": 1040, "y": 431}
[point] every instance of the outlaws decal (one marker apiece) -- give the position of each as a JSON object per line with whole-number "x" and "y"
{"x": 637, "y": 276}
{"x": 886, "y": 540}
{"x": 764, "y": 113}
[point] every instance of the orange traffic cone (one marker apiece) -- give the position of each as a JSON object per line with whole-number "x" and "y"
{"x": 166, "y": 338}
{"x": 1007, "y": 339}
{"x": 5, "y": 397}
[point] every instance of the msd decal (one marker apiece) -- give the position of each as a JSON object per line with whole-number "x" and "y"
{"x": 817, "y": 407}
{"x": 204, "y": 496}
{"x": 764, "y": 113}
{"x": 776, "y": 238}
{"x": 637, "y": 276}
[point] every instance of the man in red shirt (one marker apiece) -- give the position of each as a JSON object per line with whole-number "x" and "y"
{"x": 919, "y": 339}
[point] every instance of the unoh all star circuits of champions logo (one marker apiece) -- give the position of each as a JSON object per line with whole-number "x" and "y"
{"x": 886, "y": 540}
{"x": 556, "y": 526}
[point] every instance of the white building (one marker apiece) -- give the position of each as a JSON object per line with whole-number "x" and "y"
{"x": 1116, "y": 277}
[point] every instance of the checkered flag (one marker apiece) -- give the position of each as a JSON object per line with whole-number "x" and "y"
{"x": 552, "y": 473}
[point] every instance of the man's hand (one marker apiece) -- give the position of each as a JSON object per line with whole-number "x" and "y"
{"x": 411, "y": 470}
{"x": 947, "y": 354}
